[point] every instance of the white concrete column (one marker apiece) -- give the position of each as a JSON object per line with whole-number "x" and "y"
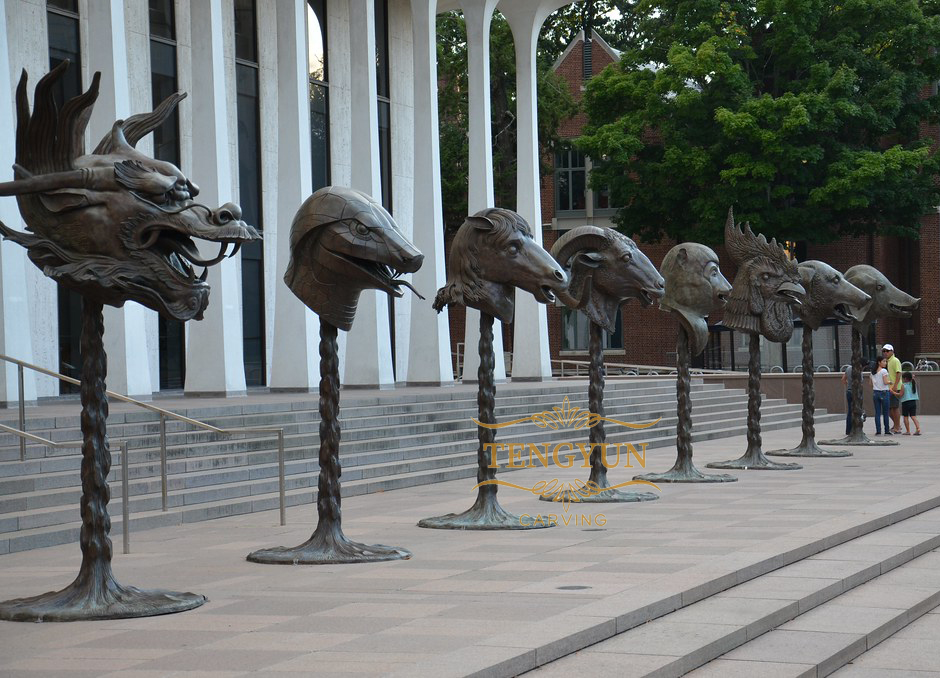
{"x": 429, "y": 359}
{"x": 526, "y": 17}
{"x": 478, "y": 15}
{"x": 295, "y": 359}
{"x": 214, "y": 356}
{"x": 368, "y": 343}
{"x": 125, "y": 337}
{"x": 15, "y": 340}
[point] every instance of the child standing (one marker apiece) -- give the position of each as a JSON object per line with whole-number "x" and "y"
{"x": 909, "y": 398}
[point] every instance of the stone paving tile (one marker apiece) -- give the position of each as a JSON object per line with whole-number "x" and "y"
{"x": 724, "y": 668}
{"x": 645, "y": 555}
{"x": 911, "y": 654}
{"x": 587, "y": 663}
{"x": 798, "y": 647}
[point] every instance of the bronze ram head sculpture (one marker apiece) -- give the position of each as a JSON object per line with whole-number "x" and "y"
{"x": 605, "y": 269}
{"x": 828, "y": 294}
{"x": 766, "y": 286}
{"x": 695, "y": 288}
{"x": 343, "y": 242}
{"x": 114, "y": 224}
{"x": 493, "y": 252}
{"x": 886, "y": 300}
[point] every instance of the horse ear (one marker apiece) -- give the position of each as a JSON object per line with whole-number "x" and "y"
{"x": 682, "y": 255}
{"x": 481, "y": 223}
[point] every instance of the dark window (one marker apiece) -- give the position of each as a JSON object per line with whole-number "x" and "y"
{"x": 576, "y": 328}
{"x": 570, "y": 180}
{"x": 166, "y": 146}
{"x": 249, "y": 182}
{"x": 383, "y": 90}
{"x": 319, "y": 92}
{"x": 64, "y": 43}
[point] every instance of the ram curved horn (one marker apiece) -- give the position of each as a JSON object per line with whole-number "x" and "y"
{"x": 577, "y": 239}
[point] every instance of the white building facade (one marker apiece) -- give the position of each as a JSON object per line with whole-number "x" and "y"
{"x": 285, "y": 96}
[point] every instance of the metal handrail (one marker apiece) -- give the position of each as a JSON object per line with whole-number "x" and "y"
{"x": 632, "y": 369}
{"x": 164, "y": 415}
{"x": 125, "y": 473}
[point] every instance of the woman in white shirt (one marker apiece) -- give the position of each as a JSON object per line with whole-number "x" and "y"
{"x": 881, "y": 394}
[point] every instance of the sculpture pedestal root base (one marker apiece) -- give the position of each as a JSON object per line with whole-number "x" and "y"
{"x": 809, "y": 449}
{"x": 860, "y": 440}
{"x": 606, "y": 497}
{"x": 687, "y": 475}
{"x": 483, "y": 515}
{"x": 83, "y": 603}
{"x": 334, "y": 548}
{"x": 754, "y": 461}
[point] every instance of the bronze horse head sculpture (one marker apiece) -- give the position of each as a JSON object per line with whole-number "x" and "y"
{"x": 112, "y": 224}
{"x": 605, "y": 268}
{"x": 343, "y": 242}
{"x": 695, "y": 288}
{"x": 828, "y": 294}
{"x": 886, "y": 300}
{"x": 766, "y": 286}
{"x": 492, "y": 252}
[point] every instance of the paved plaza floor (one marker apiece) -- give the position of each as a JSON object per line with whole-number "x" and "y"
{"x": 484, "y": 603}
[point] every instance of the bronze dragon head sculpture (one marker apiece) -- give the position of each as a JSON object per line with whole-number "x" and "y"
{"x": 886, "y": 300}
{"x": 343, "y": 242}
{"x": 114, "y": 224}
{"x": 695, "y": 288}
{"x": 766, "y": 286}
{"x": 828, "y": 293}
{"x": 605, "y": 268}
{"x": 492, "y": 252}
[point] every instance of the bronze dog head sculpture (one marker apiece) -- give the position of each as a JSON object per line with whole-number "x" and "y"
{"x": 695, "y": 288}
{"x": 766, "y": 287}
{"x": 605, "y": 268}
{"x": 886, "y": 300}
{"x": 828, "y": 293}
{"x": 114, "y": 224}
{"x": 343, "y": 242}
{"x": 492, "y": 252}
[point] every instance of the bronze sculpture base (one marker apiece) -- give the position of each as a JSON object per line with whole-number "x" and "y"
{"x": 689, "y": 474}
{"x": 809, "y": 448}
{"x": 328, "y": 545}
{"x": 859, "y": 439}
{"x": 753, "y": 458}
{"x": 485, "y": 514}
{"x": 607, "y": 497}
{"x": 95, "y": 593}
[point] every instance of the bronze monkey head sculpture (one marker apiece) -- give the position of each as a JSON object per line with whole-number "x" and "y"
{"x": 766, "y": 287}
{"x": 828, "y": 293}
{"x": 695, "y": 288}
{"x": 886, "y": 300}
{"x": 493, "y": 252}
{"x": 114, "y": 225}
{"x": 343, "y": 242}
{"x": 605, "y": 269}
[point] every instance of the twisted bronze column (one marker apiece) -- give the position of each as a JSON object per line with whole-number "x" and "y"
{"x": 754, "y": 457}
{"x": 328, "y": 544}
{"x": 597, "y": 485}
{"x": 808, "y": 446}
{"x": 95, "y": 593}
{"x": 857, "y": 435}
{"x": 684, "y": 471}
{"x": 486, "y": 513}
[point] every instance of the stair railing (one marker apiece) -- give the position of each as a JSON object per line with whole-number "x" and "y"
{"x": 164, "y": 415}
{"x": 125, "y": 473}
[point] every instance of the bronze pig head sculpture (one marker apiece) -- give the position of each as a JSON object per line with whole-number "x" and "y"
{"x": 766, "y": 286}
{"x": 695, "y": 288}
{"x": 343, "y": 242}
{"x": 114, "y": 225}
{"x": 886, "y": 300}
{"x": 828, "y": 293}
{"x": 605, "y": 268}
{"x": 492, "y": 252}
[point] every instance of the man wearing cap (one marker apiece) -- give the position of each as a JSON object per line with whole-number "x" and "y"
{"x": 894, "y": 384}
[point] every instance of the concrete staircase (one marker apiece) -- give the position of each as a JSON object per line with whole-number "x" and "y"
{"x": 390, "y": 440}
{"x": 807, "y": 619}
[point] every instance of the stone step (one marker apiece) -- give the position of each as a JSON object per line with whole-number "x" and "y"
{"x": 807, "y": 618}
{"x": 261, "y": 494}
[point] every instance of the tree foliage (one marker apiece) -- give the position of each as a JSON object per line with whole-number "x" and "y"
{"x": 806, "y": 115}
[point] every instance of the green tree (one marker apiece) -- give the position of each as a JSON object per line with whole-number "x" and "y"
{"x": 806, "y": 115}
{"x": 555, "y": 104}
